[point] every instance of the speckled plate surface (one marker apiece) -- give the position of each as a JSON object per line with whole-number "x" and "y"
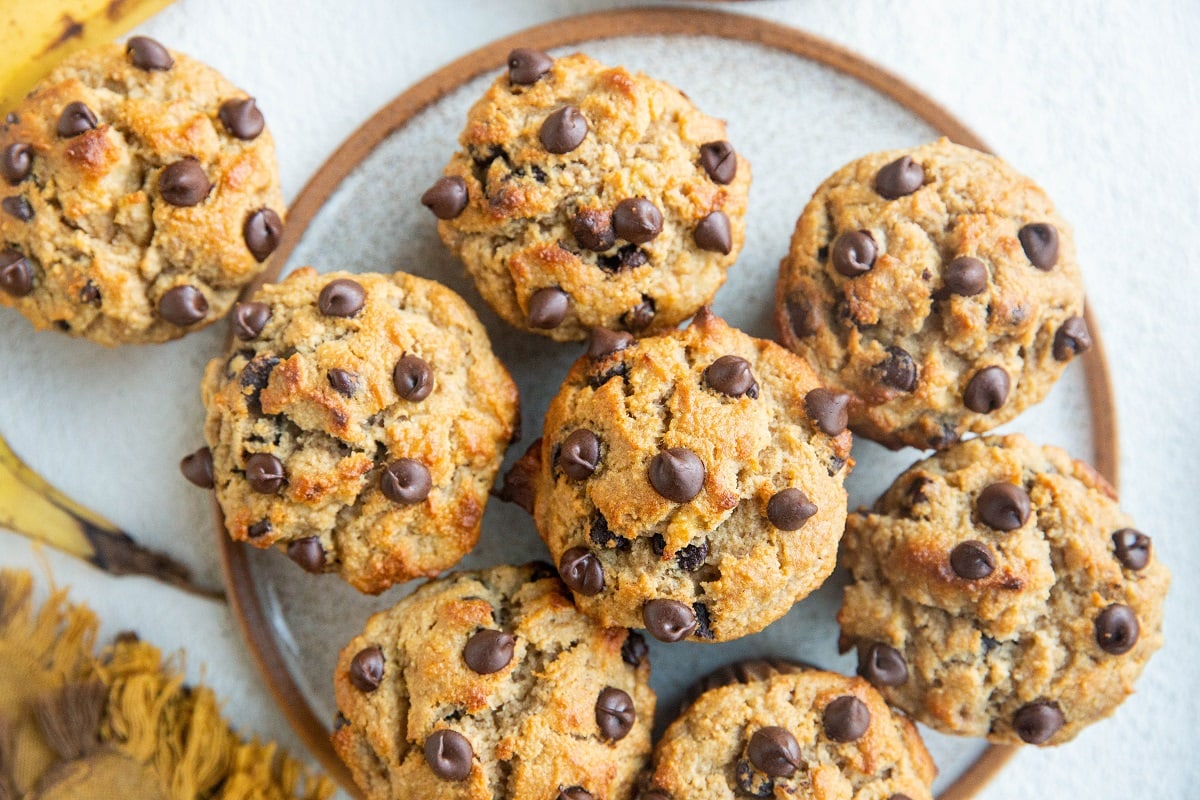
{"x": 798, "y": 108}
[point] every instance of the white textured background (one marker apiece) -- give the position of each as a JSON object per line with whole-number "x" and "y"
{"x": 1099, "y": 102}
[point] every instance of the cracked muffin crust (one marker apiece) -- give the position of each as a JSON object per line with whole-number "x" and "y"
{"x": 937, "y": 287}
{"x": 358, "y": 422}
{"x": 490, "y": 685}
{"x": 807, "y": 734}
{"x": 691, "y": 483}
{"x": 140, "y": 194}
{"x": 997, "y": 590}
{"x": 585, "y": 195}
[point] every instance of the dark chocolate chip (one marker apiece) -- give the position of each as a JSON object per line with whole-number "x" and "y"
{"x": 16, "y": 276}
{"x": 669, "y": 620}
{"x": 703, "y": 621}
{"x": 1072, "y": 339}
{"x": 541, "y": 570}
{"x": 846, "y": 719}
{"x": 803, "y": 317}
{"x": 574, "y": 793}
{"x": 76, "y": 119}
{"x": 563, "y": 130}
{"x": 1117, "y": 629}
{"x": 343, "y": 381}
{"x": 640, "y": 316}
{"x": 898, "y": 370}
{"x": 601, "y": 536}
{"x": 581, "y": 571}
{"x": 899, "y": 178}
{"x": 987, "y": 390}
{"x": 677, "y": 474}
{"x": 965, "y": 276}
{"x": 775, "y": 751}
{"x": 340, "y": 721}
{"x": 828, "y": 410}
{"x": 197, "y": 467}
{"x": 526, "y": 66}
{"x": 16, "y": 162}
{"x": 1003, "y": 506}
{"x": 447, "y": 197}
{"x": 592, "y": 228}
{"x": 406, "y": 481}
{"x": 618, "y": 370}
{"x": 489, "y": 651}
{"x": 146, "y": 53}
{"x": 751, "y": 782}
{"x": 1036, "y": 722}
{"x": 1131, "y": 548}
{"x": 449, "y": 755}
{"x": 658, "y": 544}
{"x": 242, "y": 118}
{"x": 249, "y": 319}
{"x": 732, "y": 376}
{"x": 19, "y": 208}
{"x": 548, "y": 308}
{"x": 184, "y": 183}
{"x": 972, "y": 560}
{"x": 257, "y": 373}
{"x": 854, "y": 253}
{"x": 713, "y": 233}
{"x": 719, "y": 161}
{"x": 308, "y": 553}
{"x": 262, "y": 232}
{"x": 580, "y": 454}
{"x": 615, "y": 713}
{"x": 634, "y": 650}
{"x": 637, "y": 220}
{"x": 183, "y": 305}
{"x": 883, "y": 665}
{"x": 603, "y": 342}
{"x": 789, "y": 509}
{"x": 1039, "y": 240}
{"x": 90, "y": 294}
{"x": 692, "y": 556}
{"x": 413, "y": 378}
{"x": 259, "y": 529}
{"x": 366, "y": 669}
{"x": 265, "y": 473}
{"x": 342, "y": 298}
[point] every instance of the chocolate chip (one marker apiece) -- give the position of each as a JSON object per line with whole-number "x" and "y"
{"x": 658, "y": 544}
{"x": 406, "y": 481}
{"x": 1036, "y": 722}
{"x": 972, "y": 560}
{"x": 732, "y": 376}
{"x": 16, "y": 162}
{"x": 1039, "y": 240}
{"x": 489, "y": 651}
{"x": 262, "y": 232}
{"x": 883, "y": 665}
{"x": 751, "y": 782}
{"x": 846, "y": 718}
{"x": 16, "y": 276}
{"x": 249, "y": 319}
{"x": 899, "y": 178}
{"x": 264, "y": 473}
{"x": 579, "y": 455}
{"x": 1117, "y": 629}
{"x": 308, "y": 553}
{"x": 574, "y": 793}
{"x": 789, "y": 509}
{"x": 447, "y": 197}
{"x": 1072, "y": 339}
{"x": 615, "y": 713}
{"x": 703, "y": 621}
{"x": 184, "y": 183}
{"x": 527, "y": 66}
{"x": 340, "y": 721}
{"x": 183, "y": 305}
{"x": 563, "y": 130}
{"x": 637, "y": 220}
{"x": 259, "y": 529}
{"x": 413, "y": 378}
{"x": 257, "y": 373}
{"x": 719, "y": 161}
{"x": 548, "y": 308}
{"x": 366, "y": 669}
{"x": 828, "y": 410}
{"x": 713, "y": 233}
{"x": 677, "y": 474}
{"x": 601, "y": 536}
{"x": 640, "y": 316}
{"x": 90, "y": 294}
{"x": 692, "y": 556}
{"x": 449, "y": 755}
{"x": 146, "y": 53}
{"x": 581, "y": 571}
{"x": 197, "y": 467}
{"x": 634, "y": 650}
{"x": 76, "y": 119}
{"x": 1131, "y": 548}
{"x": 965, "y": 276}
{"x": 343, "y": 381}
{"x": 854, "y": 253}
{"x": 603, "y": 342}
{"x": 592, "y": 228}
{"x": 342, "y": 298}
{"x": 803, "y": 317}
{"x": 669, "y": 620}
{"x": 987, "y": 390}
{"x": 898, "y": 370}
{"x": 775, "y": 751}
{"x": 19, "y": 208}
{"x": 241, "y": 118}
{"x": 1003, "y": 506}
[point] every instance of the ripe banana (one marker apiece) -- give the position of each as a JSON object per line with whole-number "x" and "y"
{"x": 33, "y": 508}
{"x": 36, "y": 34}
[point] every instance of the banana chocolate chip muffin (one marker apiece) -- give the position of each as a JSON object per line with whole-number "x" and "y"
{"x": 585, "y": 195}
{"x": 491, "y": 686}
{"x": 937, "y": 287}
{"x": 140, "y": 194}
{"x": 997, "y": 590}
{"x": 358, "y": 422}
